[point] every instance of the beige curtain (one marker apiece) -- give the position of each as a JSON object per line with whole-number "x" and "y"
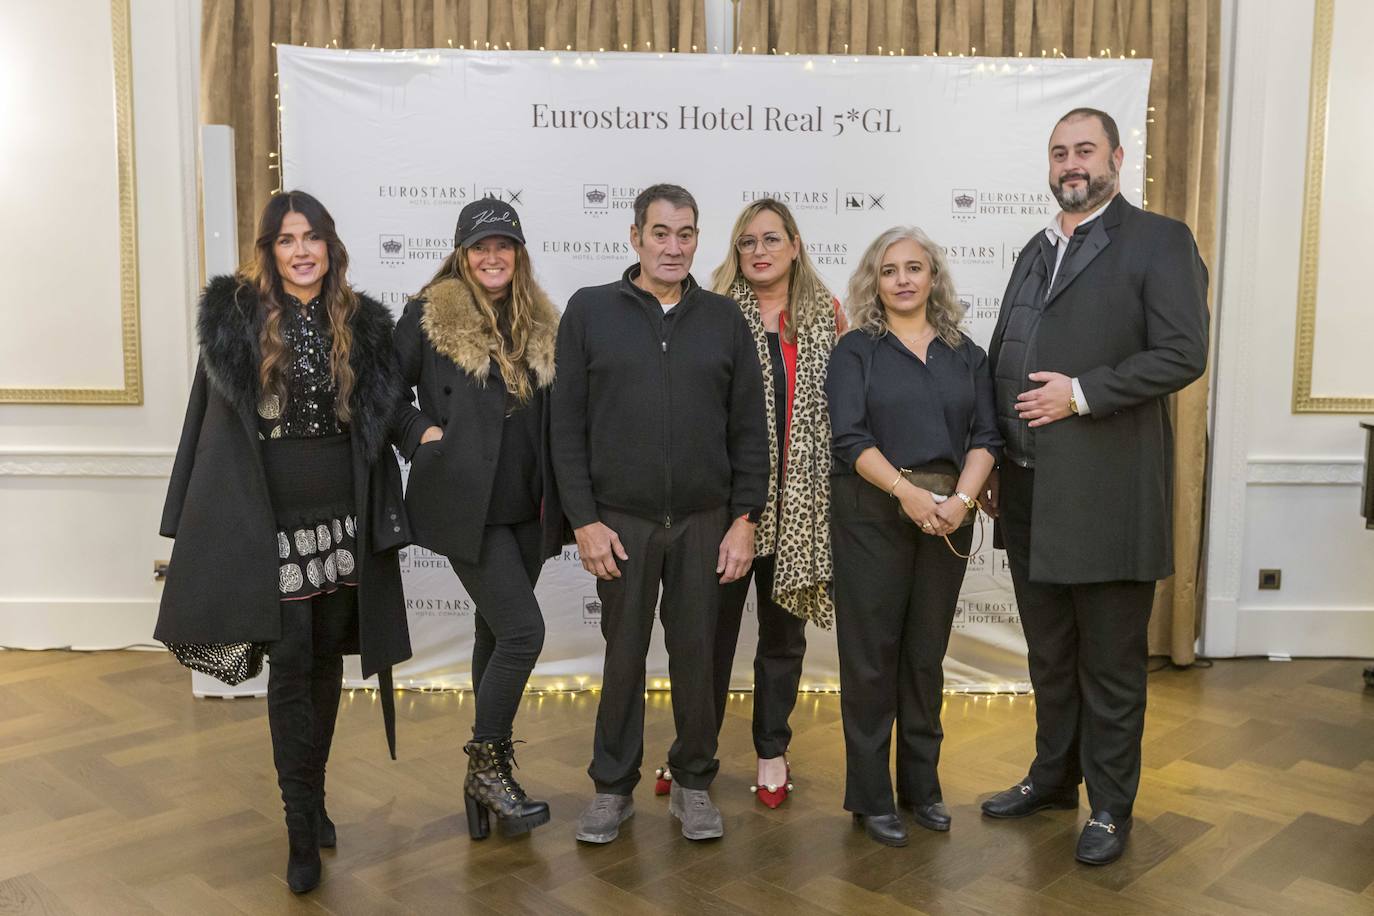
{"x": 238, "y": 62}
{"x": 1183, "y": 39}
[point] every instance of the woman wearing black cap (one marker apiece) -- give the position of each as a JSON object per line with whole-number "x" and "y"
{"x": 478, "y": 343}
{"x": 285, "y": 501}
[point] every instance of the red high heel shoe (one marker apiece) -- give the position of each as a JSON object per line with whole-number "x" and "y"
{"x": 663, "y": 780}
{"x": 773, "y": 796}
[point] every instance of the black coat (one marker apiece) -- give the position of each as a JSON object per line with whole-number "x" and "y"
{"x": 444, "y": 351}
{"x": 222, "y": 583}
{"x": 1128, "y": 317}
{"x": 657, "y": 416}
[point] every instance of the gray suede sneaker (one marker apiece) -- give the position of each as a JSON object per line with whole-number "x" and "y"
{"x": 700, "y": 818}
{"x": 600, "y": 823}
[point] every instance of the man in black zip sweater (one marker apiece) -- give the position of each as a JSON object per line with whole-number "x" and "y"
{"x": 661, "y": 453}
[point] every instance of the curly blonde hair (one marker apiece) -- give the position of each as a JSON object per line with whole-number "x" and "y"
{"x": 865, "y": 308}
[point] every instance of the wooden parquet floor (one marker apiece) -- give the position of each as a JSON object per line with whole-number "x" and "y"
{"x": 119, "y": 793}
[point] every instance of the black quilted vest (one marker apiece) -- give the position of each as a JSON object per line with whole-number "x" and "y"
{"x": 1016, "y": 358}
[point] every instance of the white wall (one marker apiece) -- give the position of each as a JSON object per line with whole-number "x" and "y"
{"x": 1284, "y": 487}
{"x": 81, "y": 487}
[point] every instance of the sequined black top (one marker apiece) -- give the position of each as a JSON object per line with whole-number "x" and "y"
{"x": 309, "y": 409}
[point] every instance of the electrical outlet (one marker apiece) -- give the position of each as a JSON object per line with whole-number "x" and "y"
{"x": 159, "y": 570}
{"x": 1270, "y": 579}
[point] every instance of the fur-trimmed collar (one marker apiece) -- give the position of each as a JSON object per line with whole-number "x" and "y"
{"x": 454, "y": 326}
{"x": 228, "y": 325}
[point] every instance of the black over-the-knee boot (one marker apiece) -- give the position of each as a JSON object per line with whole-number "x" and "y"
{"x": 326, "y": 686}
{"x": 292, "y": 722}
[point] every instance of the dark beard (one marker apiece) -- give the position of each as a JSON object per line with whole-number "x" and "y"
{"x": 1100, "y": 187}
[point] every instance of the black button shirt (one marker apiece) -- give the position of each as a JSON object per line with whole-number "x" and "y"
{"x": 881, "y": 395}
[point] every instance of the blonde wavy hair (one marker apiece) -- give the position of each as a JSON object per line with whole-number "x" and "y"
{"x": 865, "y": 308}
{"x": 804, "y": 284}
{"x": 516, "y": 308}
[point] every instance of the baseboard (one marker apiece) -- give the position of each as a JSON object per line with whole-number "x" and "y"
{"x": 38, "y": 623}
{"x": 1316, "y": 632}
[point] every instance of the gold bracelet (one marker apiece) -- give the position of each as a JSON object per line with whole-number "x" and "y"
{"x": 892, "y": 490}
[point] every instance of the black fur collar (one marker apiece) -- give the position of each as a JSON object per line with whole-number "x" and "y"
{"x": 228, "y": 325}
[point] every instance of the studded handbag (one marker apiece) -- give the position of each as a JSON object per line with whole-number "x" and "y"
{"x": 232, "y": 663}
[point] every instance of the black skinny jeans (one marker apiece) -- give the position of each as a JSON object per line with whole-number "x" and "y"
{"x": 777, "y": 660}
{"x": 304, "y": 682}
{"x": 509, "y": 625}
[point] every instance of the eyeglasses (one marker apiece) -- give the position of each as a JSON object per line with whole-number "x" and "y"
{"x": 771, "y": 242}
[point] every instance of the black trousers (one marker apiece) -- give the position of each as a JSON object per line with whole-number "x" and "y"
{"x": 777, "y": 661}
{"x": 304, "y": 682}
{"x": 1088, "y": 650}
{"x": 509, "y": 626}
{"x": 896, "y": 590}
{"x": 682, "y": 560}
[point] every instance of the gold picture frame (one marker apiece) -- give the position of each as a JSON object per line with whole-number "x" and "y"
{"x": 132, "y": 390}
{"x": 1304, "y": 401}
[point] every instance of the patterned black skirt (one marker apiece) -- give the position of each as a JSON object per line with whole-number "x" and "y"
{"x": 311, "y": 485}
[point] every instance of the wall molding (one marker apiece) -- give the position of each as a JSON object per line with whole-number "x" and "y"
{"x": 86, "y": 463}
{"x": 1292, "y": 472}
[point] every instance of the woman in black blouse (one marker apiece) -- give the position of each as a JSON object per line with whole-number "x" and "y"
{"x": 285, "y": 500}
{"x": 478, "y": 343}
{"x": 907, "y": 392}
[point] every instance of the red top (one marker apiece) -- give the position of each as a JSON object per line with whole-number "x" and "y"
{"x": 789, "y": 360}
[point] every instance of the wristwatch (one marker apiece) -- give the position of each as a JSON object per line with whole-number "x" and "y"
{"x": 968, "y": 501}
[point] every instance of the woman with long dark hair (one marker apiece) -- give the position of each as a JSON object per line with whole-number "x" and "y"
{"x": 914, "y": 433}
{"x": 478, "y": 344}
{"x": 285, "y": 500}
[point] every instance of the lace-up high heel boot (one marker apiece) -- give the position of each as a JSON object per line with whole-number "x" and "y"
{"x": 490, "y": 788}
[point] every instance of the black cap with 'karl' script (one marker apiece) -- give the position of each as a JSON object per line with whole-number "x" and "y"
{"x": 486, "y": 217}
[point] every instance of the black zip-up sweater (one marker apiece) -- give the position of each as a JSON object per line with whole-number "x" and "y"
{"x": 657, "y": 415}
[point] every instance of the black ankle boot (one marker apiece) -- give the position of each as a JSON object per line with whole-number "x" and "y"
{"x": 303, "y": 865}
{"x": 491, "y": 787}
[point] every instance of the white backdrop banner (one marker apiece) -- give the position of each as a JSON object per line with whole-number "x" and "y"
{"x": 396, "y": 143}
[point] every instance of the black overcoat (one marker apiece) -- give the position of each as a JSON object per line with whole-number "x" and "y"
{"x": 222, "y": 580}
{"x": 1127, "y": 316}
{"x": 444, "y": 349}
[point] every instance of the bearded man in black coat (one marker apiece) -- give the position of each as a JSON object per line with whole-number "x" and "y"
{"x": 1105, "y": 316}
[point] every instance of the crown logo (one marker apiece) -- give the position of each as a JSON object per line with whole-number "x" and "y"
{"x": 391, "y": 246}
{"x": 964, "y": 201}
{"x": 596, "y": 196}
